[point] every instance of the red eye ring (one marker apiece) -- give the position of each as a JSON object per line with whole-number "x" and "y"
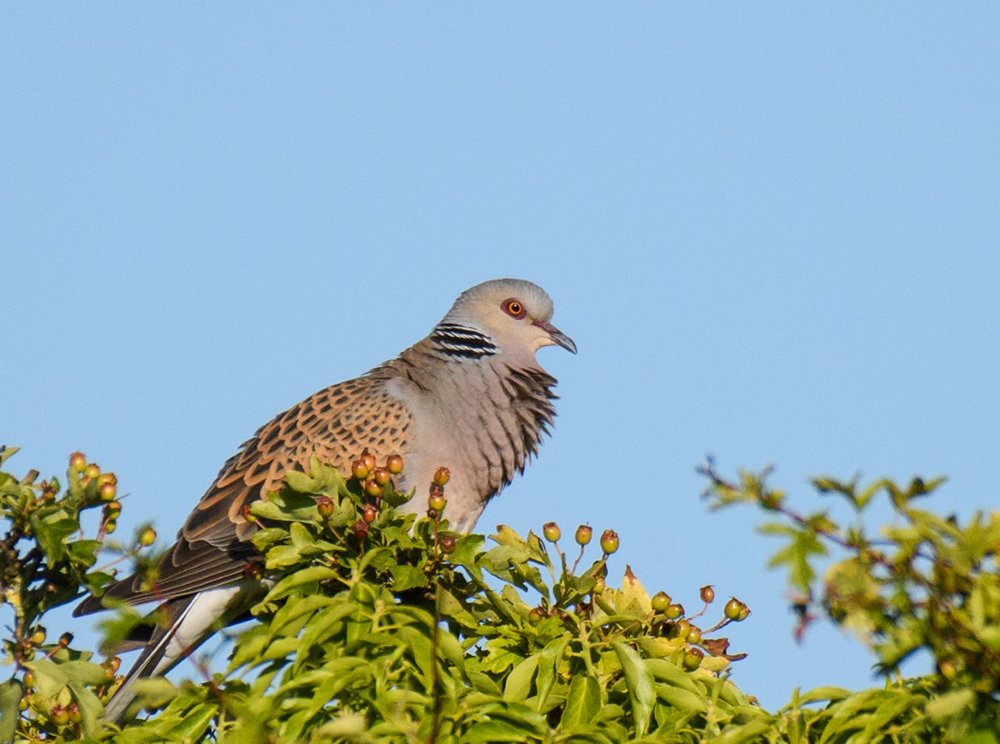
{"x": 514, "y": 308}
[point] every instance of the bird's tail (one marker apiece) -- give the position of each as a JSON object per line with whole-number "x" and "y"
{"x": 189, "y": 621}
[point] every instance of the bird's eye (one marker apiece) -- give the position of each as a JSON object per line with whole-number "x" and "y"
{"x": 513, "y": 308}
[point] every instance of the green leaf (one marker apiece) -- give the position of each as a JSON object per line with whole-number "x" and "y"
{"x": 10, "y": 698}
{"x": 950, "y": 704}
{"x": 518, "y": 684}
{"x": 639, "y": 680}
{"x": 583, "y": 702}
{"x": 407, "y": 577}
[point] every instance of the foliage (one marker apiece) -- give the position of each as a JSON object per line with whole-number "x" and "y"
{"x": 384, "y": 626}
{"x": 925, "y": 583}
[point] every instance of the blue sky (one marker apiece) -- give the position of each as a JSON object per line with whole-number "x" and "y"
{"x": 772, "y": 229}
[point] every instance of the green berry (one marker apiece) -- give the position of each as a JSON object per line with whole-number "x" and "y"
{"x": 360, "y": 469}
{"x": 441, "y": 476}
{"x": 660, "y": 601}
{"x": 609, "y": 542}
{"x": 77, "y": 462}
{"x": 394, "y": 464}
{"x": 551, "y": 531}
{"x": 674, "y": 611}
{"x": 692, "y": 658}
{"x": 583, "y": 534}
{"x": 147, "y": 537}
{"x": 436, "y": 501}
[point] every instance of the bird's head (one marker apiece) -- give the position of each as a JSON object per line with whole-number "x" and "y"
{"x": 514, "y": 313}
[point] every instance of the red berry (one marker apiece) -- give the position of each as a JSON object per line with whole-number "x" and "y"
{"x": 369, "y": 513}
{"x": 707, "y": 594}
{"x": 447, "y": 543}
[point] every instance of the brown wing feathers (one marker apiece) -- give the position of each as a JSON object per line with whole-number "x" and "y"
{"x": 212, "y": 548}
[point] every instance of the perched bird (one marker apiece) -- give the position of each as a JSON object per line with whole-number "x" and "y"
{"x": 470, "y": 396}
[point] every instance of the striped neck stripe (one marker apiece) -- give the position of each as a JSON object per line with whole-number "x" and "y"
{"x": 462, "y": 341}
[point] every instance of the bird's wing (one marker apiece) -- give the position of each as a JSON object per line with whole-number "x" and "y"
{"x": 213, "y": 547}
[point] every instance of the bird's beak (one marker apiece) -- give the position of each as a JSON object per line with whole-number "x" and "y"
{"x": 557, "y": 336}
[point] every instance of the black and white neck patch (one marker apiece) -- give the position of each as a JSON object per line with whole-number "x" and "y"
{"x": 462, "y": 341}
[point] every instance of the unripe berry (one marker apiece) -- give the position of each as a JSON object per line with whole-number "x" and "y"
{"x": 551, "y": 531}
{"x": 692, "y": 658}
{"x": 360, "y": 469}
{"x": 77, "y": 462}
{"x": 324, "y": 505}
{"x": 734, "y": 609}
{"x": 744, "y": 613}
{"x": 74, "y": 713}
{"x": 394, "y": 463}
{"x": 694, "y": 636}
{"x": 583, "y": 534}
{"x": 29, "y": 679}
{"x": 107, "y": 478}
{"x": 674, "y": 611}
{"x": 110, "y": 526}
{"x": 660, "y": 601}
{"x": 536, "y": 615}
{"x": 381, "y": 476}
{"x": 107, "y": 491}
{"x": 59, "y": 715}
{"x": 65, "y": 639}
{"x": 369, "y": 513}
{"x": 369, "y": 460}
{"x": 682, "y": 629}
{"x": 447, "y": 544}
{"x": 441, "y": 476}
{"x": 436, "y": 501}
{"x": 599, "y": 585}
{"x": 92, "y": 470}
{"x": 38, "y": 637}
{"x": 707, "y": 594}
{"x": 112, "y": 510}
{"x": 373, "y": 489}
{"x": 609, "y": 541}
{"x": 147, "y": 537}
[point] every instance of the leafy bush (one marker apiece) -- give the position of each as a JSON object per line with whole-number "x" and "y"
{"x": 384, "y": 626}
